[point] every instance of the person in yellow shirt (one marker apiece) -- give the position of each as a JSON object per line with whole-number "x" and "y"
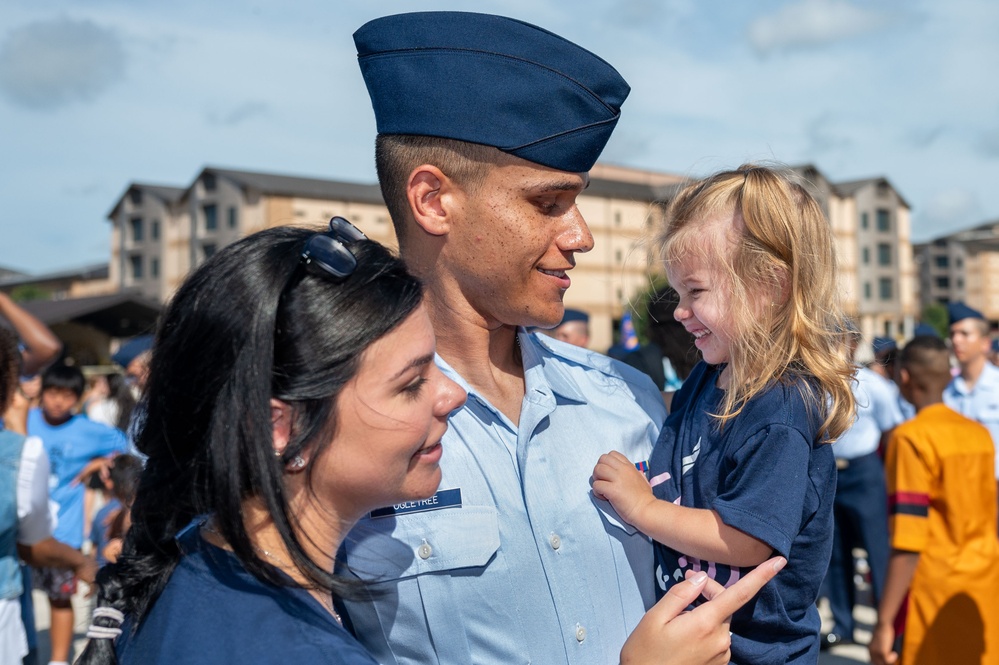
{"x": 942, "y": 522}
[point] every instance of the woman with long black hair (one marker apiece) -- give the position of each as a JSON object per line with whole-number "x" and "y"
{"x": 292, "y": 390}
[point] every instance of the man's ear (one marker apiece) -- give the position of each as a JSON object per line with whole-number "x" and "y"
{"x": 281, "y": 417}
{"x": 430, "y": 194}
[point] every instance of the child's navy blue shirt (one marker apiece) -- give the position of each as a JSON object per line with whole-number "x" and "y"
{"x": 767, "y": 474}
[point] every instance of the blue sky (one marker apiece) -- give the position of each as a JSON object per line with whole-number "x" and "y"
{"x": 97, "y": 94}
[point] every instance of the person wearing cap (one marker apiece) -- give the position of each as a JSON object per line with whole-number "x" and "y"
{"x": 860, "y": 507}
{"x": 574, "y": 328}
{"x": 974, "y": 392}
{"x": 487, "y": 127}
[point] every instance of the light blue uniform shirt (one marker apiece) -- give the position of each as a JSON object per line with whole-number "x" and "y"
{"x": 530, "y": 568}
{"x": 877, "y": 411}
{"x": 981, "y": 403}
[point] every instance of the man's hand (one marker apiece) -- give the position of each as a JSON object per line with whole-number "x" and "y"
{"x": 616, "y": 479}
{"x": 667, "y": 634}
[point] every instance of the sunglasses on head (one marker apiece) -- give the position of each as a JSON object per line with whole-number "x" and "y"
{"x": 328, "y": 251}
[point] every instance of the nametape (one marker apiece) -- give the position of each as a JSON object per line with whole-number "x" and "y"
{"x": 443, "y": 499}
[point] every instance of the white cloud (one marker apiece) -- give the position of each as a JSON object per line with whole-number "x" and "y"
{"x": 811, "y": 23}
{"x": 50, "y": 63}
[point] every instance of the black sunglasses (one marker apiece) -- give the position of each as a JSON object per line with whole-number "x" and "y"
{"x": 328, "y": 252}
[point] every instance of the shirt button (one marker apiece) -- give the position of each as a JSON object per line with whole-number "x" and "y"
{"x": 424, "y": 550}
{"x": 580, "y": 633}
{"x": 555, "y": 541}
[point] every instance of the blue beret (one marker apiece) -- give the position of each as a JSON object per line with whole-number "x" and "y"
{"x": 925, "y": 330}
{"x": 575, "y": 315}
{"x": 491, "y": 80}
{"x": 880, "y": 344}
{"x": 958, "y": 311}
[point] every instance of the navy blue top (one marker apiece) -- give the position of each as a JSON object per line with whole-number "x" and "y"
{"x": 766, "y": 474}
{"x": 213, "y": 611}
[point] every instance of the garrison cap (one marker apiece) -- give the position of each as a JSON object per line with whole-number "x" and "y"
{"x": 491, "y": 80}
{"x": 574, "y": 315}
{"x": 881, "y": 344}
{"x": 925, "y": 330}
{"x": 958, "y": 311}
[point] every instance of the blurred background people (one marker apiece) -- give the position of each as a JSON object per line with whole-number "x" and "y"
{"x": 860, "y": 509}
{"x": 25, "y": 518}
{"x": 974, "y": 392}
{"x": 670, "y": 354}
{"x": 574, "y": 328}
{"x": 72, "y": 442}
{"x": 945, "y": 549}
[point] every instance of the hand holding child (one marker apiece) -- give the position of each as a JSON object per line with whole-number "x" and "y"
{"x": 616, "y": 479}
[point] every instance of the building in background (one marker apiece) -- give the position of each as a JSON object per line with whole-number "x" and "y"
{"x": 872, "y": 226}
{"x": 962, "y": 266}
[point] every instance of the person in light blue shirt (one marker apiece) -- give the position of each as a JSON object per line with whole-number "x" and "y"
{"x": 71, "y": 442}
{"x": 487, "y": 129}
{"x": 860, "y": 509}
{"x": 974, "y": 393}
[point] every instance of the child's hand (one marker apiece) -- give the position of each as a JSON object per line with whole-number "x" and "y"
{"x": 616, "y": 479}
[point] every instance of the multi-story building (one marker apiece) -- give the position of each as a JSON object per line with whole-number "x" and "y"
{"x": 872, "y": 227}
{"x": 160, "y": 233}
{"x": 962, "y": 266}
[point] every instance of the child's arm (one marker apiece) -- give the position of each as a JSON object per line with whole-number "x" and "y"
{"x": 696, "y": 532}
{"x": 901, "y": 568}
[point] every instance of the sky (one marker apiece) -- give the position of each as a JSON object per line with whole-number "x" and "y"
{"x": 96, "y": 94}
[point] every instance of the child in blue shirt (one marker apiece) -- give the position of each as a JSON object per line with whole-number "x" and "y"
{"x": 71, "y": 442}
{"x": 741, "y": 468}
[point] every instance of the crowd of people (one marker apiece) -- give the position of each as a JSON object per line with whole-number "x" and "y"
{"x": 335, "y": 454}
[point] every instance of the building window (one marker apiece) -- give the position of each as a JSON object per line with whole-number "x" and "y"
{"x": 208, "y": 249}
{"x": 941, "y": 261}
{"x": 208, "y": 182}
{"x": 884, "y": 220}
{"x": 867, "y": 290}
{"x": 154, "y": 267}
{"x": 884, "y": 254}
{"x": 618, "y": 256}
{"x": 617, "y": 218}
{"x": 882, "y": 190}
{"x": 136, "y": 225}
{"x": 943, "y": 282}
{"x": 864, "y": 223}
{"x": 960, "y": 282}
{"x": 233, "y": 219}
{"x": 135, "y": 196}
{"x": 136, "y": 262}
{"x": 211, "y": 217}
{"x": 154, "y": 229}
{"x": 867, "y": 255}
{"x": 959, "y": 262}
{"x": 885, "y": 290}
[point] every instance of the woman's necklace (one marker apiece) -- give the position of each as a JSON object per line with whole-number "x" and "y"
{"x": 280, "y": 565}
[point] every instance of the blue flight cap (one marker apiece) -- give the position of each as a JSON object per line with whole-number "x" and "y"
{"x": 881, "y": 344}
{"x": 574, "y": 315}
{"x": 491, "y": 80}
{"x": 925, "y": 330}
{"x": 958, "y": 311}
{"x": 995, "y": 345}
{"x": 132, "y": 349}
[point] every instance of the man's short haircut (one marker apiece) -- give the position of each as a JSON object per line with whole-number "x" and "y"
{"x": 396, "y": 155}
{"x": 64, "y": 376}
{"x": 927, "y": 359}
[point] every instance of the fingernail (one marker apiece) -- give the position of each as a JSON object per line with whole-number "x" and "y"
{"x": 699, "y": 578}
{"x": 779, "y": 564}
